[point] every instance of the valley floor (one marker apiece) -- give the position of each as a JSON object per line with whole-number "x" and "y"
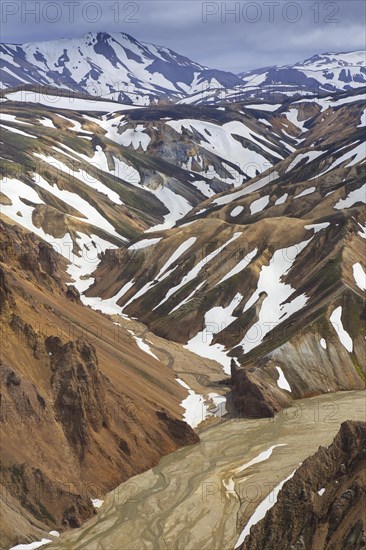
{"x": 202, "y": 496}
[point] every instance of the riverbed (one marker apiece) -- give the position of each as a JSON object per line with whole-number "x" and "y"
{"x": 202, "y": 496}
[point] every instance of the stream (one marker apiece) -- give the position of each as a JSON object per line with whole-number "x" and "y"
{"x": 201, "y": 497}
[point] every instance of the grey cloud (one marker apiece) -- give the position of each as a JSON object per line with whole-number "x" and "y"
{"x": 230, "y": 45}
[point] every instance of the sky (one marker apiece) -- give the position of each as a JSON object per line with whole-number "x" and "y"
{"x": 233, "y": 35}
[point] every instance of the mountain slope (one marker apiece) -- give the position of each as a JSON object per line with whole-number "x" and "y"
{"x": 114, "y": 65}
{"x": 322, "y": 505}
{"x": 265, "y": 270}
{"x": 328, "y": 72}
{"x": 114, "y": 175}
{"x": 82, "y": 403}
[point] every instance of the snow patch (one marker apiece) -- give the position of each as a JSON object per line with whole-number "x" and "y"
{"x": 96, "y": 502}
{"x": 194, "y": 406}
{"x": 357, "y": 195}
{"x": 281, "y": 381}
{"x": 281, "y": 199}
{"x": 236, "y": 211}
{"x": 305, "y": 192}
{"x": 359, "y": 276}
{"x": 216, "y": 319}
{"x": 259, "y": 204}
{"x": 262, "y": 509}
{"x": 273, "y": 310}
{"x": 317, "y": 226}
{"x": 31, "y": 545}
{"x": 143, "y": 345}
{"x": 144, "y": 243}
{"x": 344, "y": 337}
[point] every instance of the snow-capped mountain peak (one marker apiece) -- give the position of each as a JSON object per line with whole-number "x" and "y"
{"x": 102, "y": 64}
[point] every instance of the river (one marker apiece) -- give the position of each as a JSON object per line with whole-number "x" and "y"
{"x": 201, "y": 497}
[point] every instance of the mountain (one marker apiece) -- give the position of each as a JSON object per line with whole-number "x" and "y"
{"x": 328, "y": 72}
{"x": 113, "y": 65}
{"x": 322, "y": 505}
{"x": 253, "y": 276}
{"x": 119, "y": 67}
{"x": 317, "y": 76}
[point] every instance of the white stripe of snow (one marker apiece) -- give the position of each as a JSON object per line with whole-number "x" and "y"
{"x": 317, "y": 226}
{"x": 272, "y": 312}
{"x": 216, "y": 319}
{"x": 305, "y": 192}
{"x": 343, "y": 336}
{"x": 195, "y": 270}
{"x": 281, "y": 381}
{"x": 31, "y": 545}
{"x": 259, "y": 204}
{"x": 16, "y": 131}
{"x": 182, "y": 248}
{"x": 357, "y": 195}
{"x": 143, "y": 345}
{"x": 188, "y": 297}
{"x": 359, "y": 276}
{"x": 281, "y": 199}
{"x": 99, "y": 161}
{"x": 144, "y": 243}
{"x": 229, "y": 483}
{"x": 225, "y": 199}
{"x": 310, "y": 155}
{"x": 262, "y": 509}
{"x": 236, "y": 211}
{"x": 177, "y": 205}
{"x": 240, "y": 266}
{"x": 91, "y": 214}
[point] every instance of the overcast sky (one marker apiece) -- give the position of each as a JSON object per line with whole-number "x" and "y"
{"x": 233, "y": 36}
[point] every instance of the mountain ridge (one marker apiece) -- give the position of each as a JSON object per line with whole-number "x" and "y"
{"x": 118, "y": 66}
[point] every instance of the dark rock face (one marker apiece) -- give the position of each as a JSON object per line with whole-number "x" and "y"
{"x": 251, "y": 400}
{"x": 73, "y": 294}
{"x": 78, "y": 387}
{"x": 323, "y": 505}
{"x": 49, "y": 501}
{"x": 180, "y": 431}
{"x": 37, "y": 259}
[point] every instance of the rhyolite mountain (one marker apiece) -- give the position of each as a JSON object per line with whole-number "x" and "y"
{"x": 120, "y": 67}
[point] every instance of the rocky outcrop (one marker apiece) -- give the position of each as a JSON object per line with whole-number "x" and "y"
{"x": 35, "y": 258}
{"x": 323, "y": 505}
{"x": 252, "y": 399}
{"x": 78, "y": 389}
